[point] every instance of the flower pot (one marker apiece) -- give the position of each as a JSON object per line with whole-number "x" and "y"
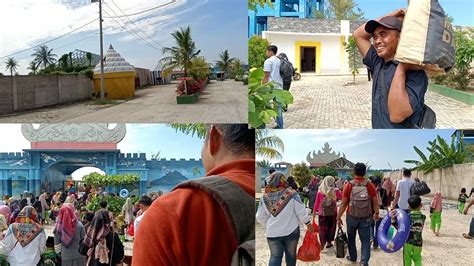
{"x": 186, "y": 99}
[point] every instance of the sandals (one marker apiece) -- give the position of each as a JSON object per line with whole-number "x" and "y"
{"x": 467, "y": 236}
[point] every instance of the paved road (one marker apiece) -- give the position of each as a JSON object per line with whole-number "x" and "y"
{"x": 327, "y": 102}
{"x": 221, "y": 102}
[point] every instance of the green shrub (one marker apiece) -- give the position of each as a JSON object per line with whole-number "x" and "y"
{"x": 199, "y": 68}
{"x": 88, "y": 73}
{"x": 257, "y": 51}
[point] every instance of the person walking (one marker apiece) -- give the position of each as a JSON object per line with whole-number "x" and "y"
{"x": 271, "y": 68}
{"x": 470, "y": 234}
{"x": 384, "y": 204}
{"x": 144, "y": 203}
{"x": 105, "y": 247}
{"x": 281, "y": 212}
{"x": 326, "y": 208}
{"x": 360, "y": 196}
{"x": 287, "y": 71}
{"x": 312, "y": 191}
{"x": 68, "y": 232}
{"x": 402, "y": 192}
{"x": 25, "y": 240}
{"x": 127, "y": 212}
{"x": 436, "y": 207}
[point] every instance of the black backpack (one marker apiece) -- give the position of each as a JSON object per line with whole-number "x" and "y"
{"x": 286, "y": 69}
{"x": 239, "y": 209}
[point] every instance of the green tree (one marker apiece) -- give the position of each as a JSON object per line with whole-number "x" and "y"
{"x": 11, "y": 65}
{"x": 355, "y": 61}
{"x": 264, "y": 100}
{"x": 44, "y": 56}
{"x": 224, "y": 62}
{"x": 236, "y": 69}
{"x": 199, "y": 68}
{"x": 182, "y": 53}
{"x": 324, "y": 171}
{"x": 263, "y": 163}
{"x": 302, "y": 173}
{"x": 191, "y": 129}
{"x": 441, "y": 155}
{"x": 257, "y": 51}
{"x": 267, "y": 145}
{"x": 252, "y": 4}
{"x": 464, "y": 55}
{"x": 63, "y": 62}
{"x": 340, "y": 10}
{"x": 33, "y": 67}
{"x": 89, "y": 58}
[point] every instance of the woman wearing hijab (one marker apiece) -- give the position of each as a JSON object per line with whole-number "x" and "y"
{"x": 68, "y": 232}
{"x": 105, "y": 247}
{"x": 312, "y": 191}
{"x": 14, "y": 209}
{"x": 127, "y": 211}
{"x": 281, "y": 212}
{"x": 25, "y": 240}
{"x": 436, "y": 207}
{"x": 44, "y": 206}
{"x": 326, "y": 208}
{"x": 389, "y": 188}
{"x": 5, "y": 211}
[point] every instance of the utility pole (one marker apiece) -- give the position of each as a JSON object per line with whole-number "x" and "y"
{"x": 102, "y": 89}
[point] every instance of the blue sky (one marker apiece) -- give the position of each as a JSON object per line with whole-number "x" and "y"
{"x": 216, "y": 25}
{"x": 461, "y": 10}
{"x": 378, "y": 147}
{"x": 146, "y": 138}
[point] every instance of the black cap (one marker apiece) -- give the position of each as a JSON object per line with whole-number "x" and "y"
{"x": 388, "y": 22}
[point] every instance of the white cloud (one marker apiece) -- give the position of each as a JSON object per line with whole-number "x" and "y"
{"x": 11, "y": 139}
{"x": 27, "y": 23}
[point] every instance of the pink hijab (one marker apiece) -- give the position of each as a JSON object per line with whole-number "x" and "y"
{"x": 5, "y": 210}
{"x": 437, "y": 202}
{"x": 388, "y": 185}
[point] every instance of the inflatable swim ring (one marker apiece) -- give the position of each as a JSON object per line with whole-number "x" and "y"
{"x": 387, "y": 243}
{"x": 124, "y": 193}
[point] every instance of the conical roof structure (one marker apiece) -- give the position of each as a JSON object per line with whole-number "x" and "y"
{"x": 114, "y": 62}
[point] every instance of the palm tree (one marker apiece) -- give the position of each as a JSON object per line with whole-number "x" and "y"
{"x": 224, "y": 61}
{"x": 181, "y": 54}
{"x": 268, "y": 146}
{"x": 33, "y": 67}
{"x": 44, "y": 56}
{"x": 237, "y": 69}
{"x": 11, "y": 65}
{"x": 191, "y": 129}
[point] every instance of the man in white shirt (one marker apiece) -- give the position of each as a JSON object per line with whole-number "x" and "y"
{"x": 403, "y": 190}
{"x": 271, "y": 68}
{"x": 144, "y": 203}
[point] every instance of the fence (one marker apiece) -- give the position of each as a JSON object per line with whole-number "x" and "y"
{"x": 35, "y": 91}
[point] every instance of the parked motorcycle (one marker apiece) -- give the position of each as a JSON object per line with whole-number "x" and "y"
{"x": 297, "y": 75}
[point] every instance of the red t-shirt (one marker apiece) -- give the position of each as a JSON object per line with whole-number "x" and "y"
{"x": 188, "y": 227}
{"x": 346, "y": 193}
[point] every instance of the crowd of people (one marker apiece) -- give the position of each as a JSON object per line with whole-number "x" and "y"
{"x": 285, "y": 205}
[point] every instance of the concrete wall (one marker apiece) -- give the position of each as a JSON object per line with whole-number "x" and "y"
{"x": 30, "y": 92}
{"x": 449, "y": 180}
{"x": 143, "y": 75}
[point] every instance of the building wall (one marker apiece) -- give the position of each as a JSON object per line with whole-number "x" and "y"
{"x": 31, "y": 92}
{"x": 143, "y": 75}
{"x": 449, "y": 180}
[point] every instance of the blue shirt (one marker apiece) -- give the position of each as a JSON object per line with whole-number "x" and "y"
{"x": 416, "y": 85}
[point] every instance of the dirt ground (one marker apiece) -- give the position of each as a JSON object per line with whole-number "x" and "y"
{"x": 450, "y": 248}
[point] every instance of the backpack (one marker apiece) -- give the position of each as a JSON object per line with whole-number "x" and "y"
{"x": 286, "y": 69}
{"x": 239, "y": 209}
{"x": 360, "y": 202}
{"x": 328, "y": 207}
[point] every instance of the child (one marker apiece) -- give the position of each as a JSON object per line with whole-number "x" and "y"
{"x": 462, "y": 200}
{"x": 436, "y": 207}
{"x": 412, "y": 248}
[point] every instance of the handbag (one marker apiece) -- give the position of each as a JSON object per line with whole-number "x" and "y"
{"x": 420, "y": 188}
{"x": 83, "y": 248}
{"x": 340, "y": 243}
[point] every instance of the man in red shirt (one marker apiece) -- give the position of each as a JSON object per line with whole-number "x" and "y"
{"x": 361, "y": 197}
{"x": 189, "y": 227}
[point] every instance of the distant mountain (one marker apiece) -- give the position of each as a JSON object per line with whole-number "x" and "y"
{"x": 170, "y": 179}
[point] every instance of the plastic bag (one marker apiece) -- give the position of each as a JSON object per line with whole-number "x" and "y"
{"x": 131, "y": 230}
{"x": 311, "y": 247}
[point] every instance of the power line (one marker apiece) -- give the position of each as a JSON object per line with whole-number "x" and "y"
{"x": 131, "y": 32}
{"x": 133, "y": 22}
{"x": 144, "y": 11}
{"x": 72, "y": 31}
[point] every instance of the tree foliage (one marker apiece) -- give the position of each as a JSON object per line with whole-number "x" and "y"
{"x": 199, "y": 68}
{"x": 263, "y": 163}
{"x": 44, "y": 56}
{"x": 355, "y": 60}
{"x": 267, "y": 145}
{"x": 236, "y": 69}
{"x": 324, "y": 171}
{"x": 264, "y": 99}
{"x": 257, "y": 51}
{"x": 96, "y": 179}
{"x": 11, "y": 65}
{"x": 224, "y": 61}
{"x": 340, "y": 10}
{"x": 252, "y": 4}
{"x": 302, "y": 173}
{"x": 190, "y": 129}
{"x": 441, "y": 155}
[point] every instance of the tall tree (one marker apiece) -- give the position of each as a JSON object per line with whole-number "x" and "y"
{"x": 181, "y": 54}
{"x": 11, "y": 65}
{"x": 257, "y": 51}
{"x": 355, "y": 61}
{"x": 267, "y": 145}
{"x": 44, "y": 56}
{"x": 340, "y": 10}
{"x": 89, "y": 58}
{"x": 33, "y": 67}
{"x": 224, "y": 61}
